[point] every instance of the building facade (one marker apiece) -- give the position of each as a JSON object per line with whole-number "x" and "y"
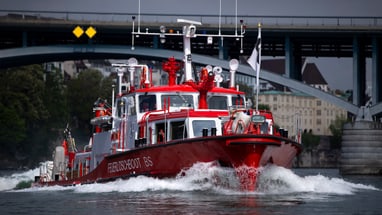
{"x": 293, "y": 111}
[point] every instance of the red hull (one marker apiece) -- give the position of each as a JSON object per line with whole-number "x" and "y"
{"x": 167, "y": 160}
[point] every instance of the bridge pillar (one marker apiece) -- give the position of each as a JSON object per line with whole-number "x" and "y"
{"x": 359, "y": 73}
{"x": 376, "y": 71}
{"x": 155, "y": 42}
{"x": 293, "y": 62}
{"x": 362, "y": 140}
{"x": 361, "y": 150}
{"x": 25, "y": 39}
{"x": 223, "y": 53}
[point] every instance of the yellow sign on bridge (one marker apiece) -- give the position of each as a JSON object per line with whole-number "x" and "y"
{"x": 90, "y": 31}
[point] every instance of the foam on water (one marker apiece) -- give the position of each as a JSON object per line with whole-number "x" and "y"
{"x": 208, "y": 177}
{"x": 278, "y": 180}
{"x": 10, "y": 182}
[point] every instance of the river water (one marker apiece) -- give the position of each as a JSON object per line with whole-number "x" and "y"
{"x": 280, "y": 191}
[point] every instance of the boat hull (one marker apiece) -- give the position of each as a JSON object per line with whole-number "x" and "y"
{"x": 169, "y": 159}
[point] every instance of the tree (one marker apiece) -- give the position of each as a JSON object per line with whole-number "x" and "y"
{"x": 264, "y": 107}
{"x": 23, "y": 110}
{"x": 22, "y": 90}
{"x": 12, "y": 130}
{"x": 34, "y": 108}
{"x": 83, "y": 92}
{"x": 246, "y": 89}
{"x": 336, "y": 129}
{"x": 55, "y": 99}
{"x": 309, "y": 140}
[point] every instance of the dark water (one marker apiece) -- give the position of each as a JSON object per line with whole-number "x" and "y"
{"x": 281, "y": 191}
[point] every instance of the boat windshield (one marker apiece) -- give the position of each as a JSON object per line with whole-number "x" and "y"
{"x": 147, "y": 103}
{"x": 237, "y": 101}
{"x": 179, "y": 100}
{"x": 217, "y": 102}
{"x": 199, "y": 125}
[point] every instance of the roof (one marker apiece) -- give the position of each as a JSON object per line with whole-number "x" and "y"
{"x": 292, "y": 93}
{"x": 311, "y": 74}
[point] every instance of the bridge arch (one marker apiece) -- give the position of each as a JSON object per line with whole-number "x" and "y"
{"x": 40, "y": 54}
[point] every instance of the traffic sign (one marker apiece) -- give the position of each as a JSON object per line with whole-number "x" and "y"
{"x": 78, "y": 31}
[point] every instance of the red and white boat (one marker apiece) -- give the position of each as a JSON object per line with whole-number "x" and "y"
{"x": 159, "y": 131}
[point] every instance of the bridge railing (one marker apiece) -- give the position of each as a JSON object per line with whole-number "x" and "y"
{"x": 303, "y": 21}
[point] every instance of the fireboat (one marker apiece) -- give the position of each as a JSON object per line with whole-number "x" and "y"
{"x": 160, "y": 131}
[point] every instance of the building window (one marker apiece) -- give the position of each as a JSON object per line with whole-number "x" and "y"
{"x": 275, "y": 98}
{"x": 318, "y": 103}
{"x": 318, "y": 112}
{"x": 318, "y": 122}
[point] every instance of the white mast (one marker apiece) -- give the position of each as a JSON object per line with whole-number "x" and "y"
{"x": 189, "y": 31}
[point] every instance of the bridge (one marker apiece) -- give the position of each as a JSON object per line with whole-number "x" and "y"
{"x": 43, "y": 36}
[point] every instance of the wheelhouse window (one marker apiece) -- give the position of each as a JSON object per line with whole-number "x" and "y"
{"x": 120, "y": 108}
{"x": 161, "y": 136}
{"x": 131, "y": 106}
{"x": 178, "y": 100}
{"x": 237, "y": 100}
{"x": 125, "y": 106}
{"x": 217, "y": 102}
{"x": 147, "y": 103}
{"x": 199, "y": 125}
{"x": 178, "y": 130}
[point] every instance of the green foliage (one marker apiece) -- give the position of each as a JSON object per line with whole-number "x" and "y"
{"x": 264, "y": 107}
{"x": 246, "y": 89}
{"x": 84, "y": 91}
{"x": 21, "y": 89}
{"x": 30, "y": 108}
{"x": 12, "y": 129}
{"x": 34, "y": 108}
{"x": 55, "y": 99}
{"x": 22, "y": 106}
{"x": 309, "y": 140}
{"x": 336, "y": 129}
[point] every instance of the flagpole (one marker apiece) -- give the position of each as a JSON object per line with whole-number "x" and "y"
{"x": 258, "y": 69}
{"x": 254, "y": 61}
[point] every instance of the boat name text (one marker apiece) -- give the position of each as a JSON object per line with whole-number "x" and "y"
{"x": 129, "y": 164}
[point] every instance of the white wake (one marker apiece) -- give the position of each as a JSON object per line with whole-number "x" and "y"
{"x": 208, "y": 177}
